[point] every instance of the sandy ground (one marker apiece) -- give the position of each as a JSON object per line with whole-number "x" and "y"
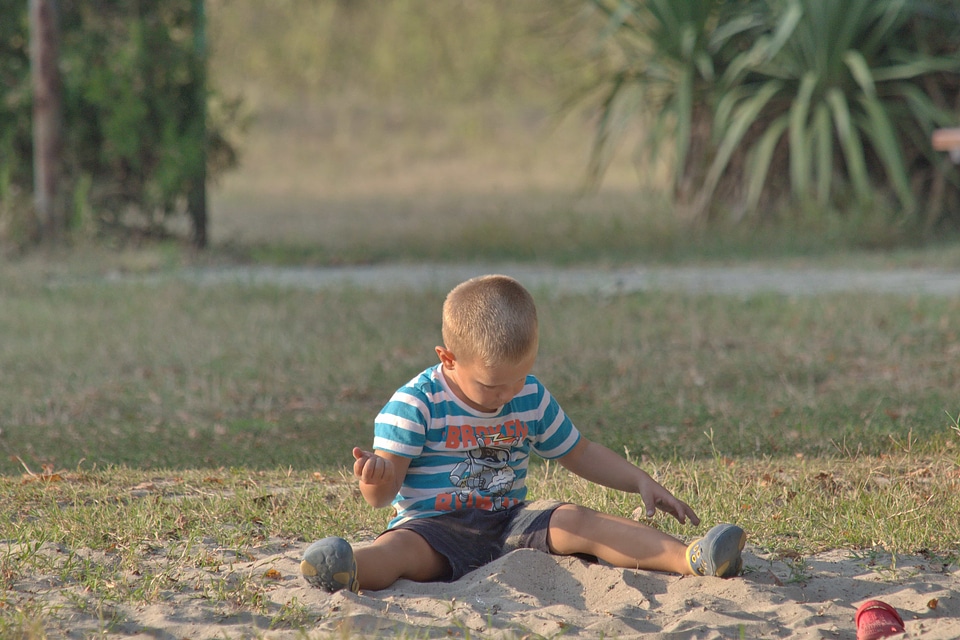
{"x": 526, "y": 594}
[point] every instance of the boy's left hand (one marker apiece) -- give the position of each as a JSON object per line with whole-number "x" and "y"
{"x": 596, "y": 463}
{"x": 655, "y": 496}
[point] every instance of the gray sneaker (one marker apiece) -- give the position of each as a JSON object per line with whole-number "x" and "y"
{"x": 718, "y": 552}
{"x": 329, "y": 564}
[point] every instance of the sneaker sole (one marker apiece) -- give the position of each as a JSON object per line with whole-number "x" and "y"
{"x": 726, "y": 545}
{"x": 329, "y": 564}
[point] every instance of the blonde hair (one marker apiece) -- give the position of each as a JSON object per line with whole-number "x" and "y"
{"x": 492, "y": 319}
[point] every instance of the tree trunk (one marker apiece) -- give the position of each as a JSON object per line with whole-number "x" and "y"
{"x": 47, "y": 114}
{"x": 197, "y": 197}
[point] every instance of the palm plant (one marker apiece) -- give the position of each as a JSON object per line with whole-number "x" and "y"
{"x": 833, "y": 95}
{"x": 671, "y": 54}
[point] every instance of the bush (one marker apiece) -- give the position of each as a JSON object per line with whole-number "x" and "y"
{"x": 135, "y": 137}
{"x": 824, "y": 106}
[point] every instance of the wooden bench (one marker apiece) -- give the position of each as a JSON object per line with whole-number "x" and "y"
{"x": 948, "y": 140}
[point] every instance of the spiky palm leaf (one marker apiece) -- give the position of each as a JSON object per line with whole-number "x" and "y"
{"x": 672, "y": 53}
{"x": 832, "y": 90}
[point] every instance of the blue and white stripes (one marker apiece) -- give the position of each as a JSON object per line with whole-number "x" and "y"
{"x": 462, "y": 458}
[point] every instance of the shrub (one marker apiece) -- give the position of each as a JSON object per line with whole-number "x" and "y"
{"x": 134, "y": 137}
{"x": 822, "y": 104}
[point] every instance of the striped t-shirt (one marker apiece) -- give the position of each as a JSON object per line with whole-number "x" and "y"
{"x": 462, "y": 458}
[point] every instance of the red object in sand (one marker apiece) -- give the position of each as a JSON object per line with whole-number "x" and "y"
{"x": 876, "y": 619}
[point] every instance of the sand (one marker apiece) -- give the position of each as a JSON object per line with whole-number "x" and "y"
{"x": 526, "y": 594}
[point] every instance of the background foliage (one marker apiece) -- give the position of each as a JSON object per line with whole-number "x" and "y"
{"x": 823, "y": 106}
{"x": 133, "y": 137}
{"x": 763, "y": 108}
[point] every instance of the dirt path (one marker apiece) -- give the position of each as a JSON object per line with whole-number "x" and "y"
{"x": 742, "y": 281}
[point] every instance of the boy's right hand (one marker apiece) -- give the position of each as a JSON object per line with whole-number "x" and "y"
{"x": 380, "y": 474}
{"x": 370, "y": 468}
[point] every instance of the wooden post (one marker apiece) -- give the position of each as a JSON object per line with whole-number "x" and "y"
{"x": 197, "y": 197}
{"x": 47, "y": 113}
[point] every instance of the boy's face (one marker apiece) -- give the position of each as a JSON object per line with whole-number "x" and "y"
{"x": 485, "y": 388}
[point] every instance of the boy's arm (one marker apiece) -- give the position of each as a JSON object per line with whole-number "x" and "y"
{"x": 380, "y": 475}
{"x": 597, "y": 463}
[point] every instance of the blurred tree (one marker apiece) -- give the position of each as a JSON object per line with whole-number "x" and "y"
{"x": 136, "y": 137}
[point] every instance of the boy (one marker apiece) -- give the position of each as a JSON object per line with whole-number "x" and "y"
{"x": 450, "y": 454}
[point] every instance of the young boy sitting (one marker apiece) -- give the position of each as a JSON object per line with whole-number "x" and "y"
{"x": 450, "y": 453}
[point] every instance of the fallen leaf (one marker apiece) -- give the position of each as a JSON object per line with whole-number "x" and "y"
{"x": 272, "y": 574}
{"x": 40, "y": 477}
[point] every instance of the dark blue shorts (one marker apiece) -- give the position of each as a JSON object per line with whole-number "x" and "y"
{"x": 471, "y": 538}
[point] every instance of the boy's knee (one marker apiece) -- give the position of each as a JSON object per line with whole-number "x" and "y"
{"x": 569, "y": 521}
{"x": 568, "y": 511}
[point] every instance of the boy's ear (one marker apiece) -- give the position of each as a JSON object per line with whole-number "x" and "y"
{"x": 447, "y": 359}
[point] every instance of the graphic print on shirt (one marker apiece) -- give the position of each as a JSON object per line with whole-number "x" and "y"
{"x": 485, "y": 476}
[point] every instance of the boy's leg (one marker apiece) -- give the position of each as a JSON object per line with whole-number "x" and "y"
{"x": 332, "y": 564}
{"x": 630, "y": 544}
{"x": 615, "y": 540}
{"x": 395, "y": 555}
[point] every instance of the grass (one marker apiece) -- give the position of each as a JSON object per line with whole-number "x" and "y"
{"x": 176, "y": 375}
{"x": 491, "y": 182}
